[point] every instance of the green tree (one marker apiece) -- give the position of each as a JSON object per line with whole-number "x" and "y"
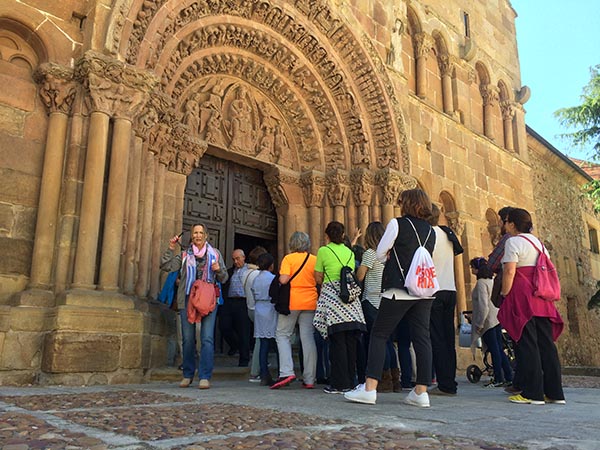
{"x": 585, "y": 118}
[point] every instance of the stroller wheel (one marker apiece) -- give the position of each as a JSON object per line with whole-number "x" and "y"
{"x": 474, "y": 373}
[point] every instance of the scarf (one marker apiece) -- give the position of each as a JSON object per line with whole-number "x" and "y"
{"x": 189, "y": 262}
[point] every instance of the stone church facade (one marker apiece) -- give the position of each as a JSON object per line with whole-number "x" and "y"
{"x": 126, "y": 121}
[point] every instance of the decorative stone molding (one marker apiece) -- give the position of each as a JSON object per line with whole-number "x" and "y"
{"x": 159, "y": 138}
{"x": 115, "y": 88}
{"x": 189, "y": 155}
{"x": 362, "y": 186}
{"x": 57, "y": 87}
{"x": 313, "y": 187}
{"x": 157, "y": 107}
{"x": 338, "y": 189}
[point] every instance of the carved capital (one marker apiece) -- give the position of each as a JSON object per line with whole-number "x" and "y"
{"x": 390, "y": 182}
{"x": 508, "y": 109}
{"x": 159, "y": 137}
{"x": 115, "y": 88}
{"x": 274, "y": 182}
{"x": 313, "y": 187}
{"x": 337, "y": 182}
{"x": 57, "y": 87}
{"x": 362, "y": 186}
{"x": 489, "y": 94}
{"x": 455, "y": 222}
{"x": 423, "y": 44}
{"x": 446, "y": 64}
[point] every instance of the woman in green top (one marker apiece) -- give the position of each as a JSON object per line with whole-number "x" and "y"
{"x": 339, "y": 322}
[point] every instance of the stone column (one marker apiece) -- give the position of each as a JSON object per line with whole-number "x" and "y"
{"x": 131, "y": 222}
{"x": 91, "y": 201}
{"x": 337, "y": 182}
{"x": 423, "y": 44}
{"x": 390, "y": 183}
{"x": 57, "y": 91}
{"x": 458, "y": 226}
{"x": 508, "y": 114}
{"x": 149, "y": 165}
{"x": 279, "y": 197}
{"x": 362, "y": 191}
{"x": 446, "y": 64}
{"x": 521, "y": 131}
{"x": 313, "y": 188}
{"x": 489, "y": 94}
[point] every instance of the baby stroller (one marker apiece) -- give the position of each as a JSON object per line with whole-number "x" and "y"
{"x": 474, "y": 372}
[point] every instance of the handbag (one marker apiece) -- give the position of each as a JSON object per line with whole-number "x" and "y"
{"x": 280, "y": 293}
{"x": 546, "y": 284}
{"x": 202, "y": 300}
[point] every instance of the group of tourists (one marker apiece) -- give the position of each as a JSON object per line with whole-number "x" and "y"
{"x": 356, "y": 332}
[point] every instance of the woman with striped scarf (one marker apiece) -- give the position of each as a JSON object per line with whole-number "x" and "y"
{"x": 200, "y": 261}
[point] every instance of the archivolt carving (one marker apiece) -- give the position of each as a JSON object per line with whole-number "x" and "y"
{"x": 317, "y": 36}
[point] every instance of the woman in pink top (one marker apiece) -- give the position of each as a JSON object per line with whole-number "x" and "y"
{"x": 533, "y": 323}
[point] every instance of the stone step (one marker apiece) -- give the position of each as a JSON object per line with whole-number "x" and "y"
{"x": 174, "y": 374}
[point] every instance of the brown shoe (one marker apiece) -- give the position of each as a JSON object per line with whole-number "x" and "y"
{"x": 204, "y": 384}
{"x": 437, "y": 391}
{"x": 185, "y": 382}
{"x": 385, "y": 385}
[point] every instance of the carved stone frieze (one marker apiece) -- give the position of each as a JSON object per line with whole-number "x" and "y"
{"x": 314, "y": 186}
{"x": 338, "y": 188}
{"x": 297, "y": 29}
{"x": 57, "y": 87}
{"x": 159, "y": 138}
{"x": 362, "y": 186}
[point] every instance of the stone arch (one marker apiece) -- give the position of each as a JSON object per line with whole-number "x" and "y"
{"x": 507, "y": 113}
{"x": 450, "y": 211}
{"x": 339, "y": 104}
{"x": 21, "y": 46}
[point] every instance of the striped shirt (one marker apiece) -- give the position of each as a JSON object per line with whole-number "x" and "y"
{"x": 372, "y": 287}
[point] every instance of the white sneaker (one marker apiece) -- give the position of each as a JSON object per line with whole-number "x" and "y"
{"x": 254, "y": 379}
{"x": 420, "y": 400}
{"x": 360, "y": 395}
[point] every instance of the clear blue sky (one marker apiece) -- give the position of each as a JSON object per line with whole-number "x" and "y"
{"x": 558, "y": 42}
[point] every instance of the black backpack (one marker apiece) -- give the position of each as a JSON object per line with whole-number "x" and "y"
{"x": 348, "y": 281}
{"x": 280, "y": 293}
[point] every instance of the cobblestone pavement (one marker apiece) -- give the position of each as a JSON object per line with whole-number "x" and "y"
{"x": 240, "y": 415}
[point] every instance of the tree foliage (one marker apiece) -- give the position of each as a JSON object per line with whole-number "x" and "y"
{"x": 585, "y": 118}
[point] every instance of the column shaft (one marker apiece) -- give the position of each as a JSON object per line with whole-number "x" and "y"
{"x": 91, "y": 202}
{"x": 388, "y": 213}
{"x": 133, "y": 226}
{"x": 147, "y": 187}
{"x": 488, "y": 125}
{"x": 448, "y": 97}
{"x": 314, "y": 232}
{"x": 421, "y": 75}
{"x": 363, "y": 220}
{"x": 508, "y": 134}
{"x": 42, "y": 260}
{"x": 158, "y": 243}
{"x": 338, "y": 213}
{"x": 115, "y": 206}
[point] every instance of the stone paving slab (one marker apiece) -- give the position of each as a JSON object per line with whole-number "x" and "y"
{"x": 241, "y": 415}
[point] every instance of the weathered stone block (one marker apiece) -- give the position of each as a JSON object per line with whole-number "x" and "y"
{"x": 158, "y": 352}
{"x": 99, "y": 320}
{"x": 16, "y": 256}
{"x": 22, "y": 350}
{"x": 5, "y": 317}
{"x": 18, "y": 188}
{"x": 95, "y": 299}
{"x": 62, "y": 379}
{"x": 66, "y": 352}
{"x": 131, "y": 351}
{"x": 437, "y": 164}
{"x": 18, "y": 377}
{"x": 97, "y": 378}
{"x": 127, "y": 377}
{"x": 29, "y": 318}
{"x": 7, "y": 218}
{"x": 12, "y": 120}
{"x": 24, "y": 225}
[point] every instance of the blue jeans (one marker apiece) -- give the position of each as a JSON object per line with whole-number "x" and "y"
{"x": 500, "y": 363}
{"x": 323, "y": 369}
{"x": 206, "y": 359}
{"x": 265, "y": 343}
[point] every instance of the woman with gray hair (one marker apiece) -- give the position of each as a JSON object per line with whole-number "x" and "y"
{"x": 303, "y": 302}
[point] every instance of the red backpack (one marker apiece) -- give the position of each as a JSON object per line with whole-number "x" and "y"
{"x": 546, "y": 284}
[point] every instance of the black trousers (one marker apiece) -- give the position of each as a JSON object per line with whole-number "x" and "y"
{"x": 342, "y": 359}
{"x": 539, "y": 366}
{"x": 390, "y": 314}
{"x": 234, "y": 324}
{"x": 443, "y": 340}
